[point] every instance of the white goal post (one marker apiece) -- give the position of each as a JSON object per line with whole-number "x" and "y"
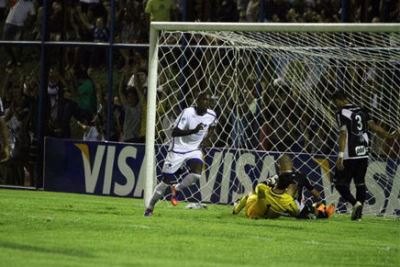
{"x": 291, "y": 63}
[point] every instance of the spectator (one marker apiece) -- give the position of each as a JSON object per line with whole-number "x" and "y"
{"x": 140, "y": 81}
{"x": 16, "y": 110}
{"x": 252, "y": 10}
{"x": 100, "y": 34}
{"x": 292, "y": 15}
{"x": 72, "y": 32}
{"x": 56, "y": 21}
{"x": 4, "y": 138}
{"x": 117, "y": 119}
{"x": 86, "y": 97}
{"x": 160, "y": 10}
{"x": 19, "y": 15}
{"x": 127, "y": 30}
{"x": 59, "y": 125}
{"x": 60, "y": 110}
{"x": 96, "y": 9}
{"x": 97, "y": 32}
{"x": 30, "y": 92}
{"x": 131, "y": 28}
{"x": 19, "y": 140}
{"x": 131, "y": 99}
{"x": 71, "y": 21}
{"x": 242, "y": 6}
{"x": 93, "y": 130}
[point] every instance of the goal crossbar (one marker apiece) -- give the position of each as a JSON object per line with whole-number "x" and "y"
{"x": 276, "y": 27}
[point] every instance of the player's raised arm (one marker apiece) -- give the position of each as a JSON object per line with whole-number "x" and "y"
{"x": 376, "y": 128}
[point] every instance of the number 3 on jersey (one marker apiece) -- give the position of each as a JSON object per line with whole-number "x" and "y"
{"x": 358, "y": 123}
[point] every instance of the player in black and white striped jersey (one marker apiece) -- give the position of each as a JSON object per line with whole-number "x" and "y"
{"x": 352, "y": 162}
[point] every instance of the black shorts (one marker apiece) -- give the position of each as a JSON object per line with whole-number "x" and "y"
{"x": 353, "y": 169}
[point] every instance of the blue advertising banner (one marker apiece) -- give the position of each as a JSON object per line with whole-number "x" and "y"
{"x": 117, "y": 169}
{"x": 102, "y": 168}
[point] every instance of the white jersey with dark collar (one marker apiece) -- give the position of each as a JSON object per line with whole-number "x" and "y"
{"x": 188, "y": 120}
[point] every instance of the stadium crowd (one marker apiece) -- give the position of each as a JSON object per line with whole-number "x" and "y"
{"x": 76, "y": 99}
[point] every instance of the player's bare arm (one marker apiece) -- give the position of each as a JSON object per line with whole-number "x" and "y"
{"x": 342, "y": 145}
{"x": 376, "y": 128}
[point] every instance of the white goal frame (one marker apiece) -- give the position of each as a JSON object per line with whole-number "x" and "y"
{"x": 157, "y": 27}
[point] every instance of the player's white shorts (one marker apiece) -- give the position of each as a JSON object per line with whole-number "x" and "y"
{"x": 174, "y": 161}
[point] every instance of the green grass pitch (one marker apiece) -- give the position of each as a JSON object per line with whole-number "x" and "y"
{"x": 56, "y": 229}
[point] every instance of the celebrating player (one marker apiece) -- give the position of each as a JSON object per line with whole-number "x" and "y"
{"x": 352, "y": 161}
{"x": 191, "y": 129}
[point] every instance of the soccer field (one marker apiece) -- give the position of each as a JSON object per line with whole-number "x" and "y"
{"x": 57, "y": 229}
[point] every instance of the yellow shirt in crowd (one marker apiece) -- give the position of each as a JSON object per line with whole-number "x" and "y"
{"x": 159, "y": 10}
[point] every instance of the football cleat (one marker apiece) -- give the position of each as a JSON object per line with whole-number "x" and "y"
{"x": 357, "y": 211}
{"x": 330, "y": 210}
{"x": 148, "y": 213}
{"x": 174, "y": 200}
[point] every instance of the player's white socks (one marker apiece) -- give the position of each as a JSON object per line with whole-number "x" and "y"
{"x": 189, "y": 179}
{"x": 158, "y": 194}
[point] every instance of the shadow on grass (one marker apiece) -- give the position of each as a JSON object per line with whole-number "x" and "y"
{"x": 32, "y": 248}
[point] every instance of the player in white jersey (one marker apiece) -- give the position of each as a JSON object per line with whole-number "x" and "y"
{"x": 191, "y": 129}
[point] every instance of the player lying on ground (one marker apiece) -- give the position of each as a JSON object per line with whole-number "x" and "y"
{"x": 269, "y": 202}
{"x": 285, "y": 167}
{"x": 274, "y": 197}
{"x": 309, "y": 209}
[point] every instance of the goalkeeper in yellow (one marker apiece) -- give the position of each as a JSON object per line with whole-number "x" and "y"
{"x": 275, "y": 197}
{"x": 269, "y": 202}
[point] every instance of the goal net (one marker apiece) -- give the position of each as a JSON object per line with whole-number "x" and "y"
{"x": 271, "y": 86}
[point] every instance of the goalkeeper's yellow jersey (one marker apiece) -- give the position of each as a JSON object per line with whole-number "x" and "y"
{"x": 264, "y": 203}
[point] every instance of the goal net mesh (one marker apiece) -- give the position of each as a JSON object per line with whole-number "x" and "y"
{"x": 272, "y": 94}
